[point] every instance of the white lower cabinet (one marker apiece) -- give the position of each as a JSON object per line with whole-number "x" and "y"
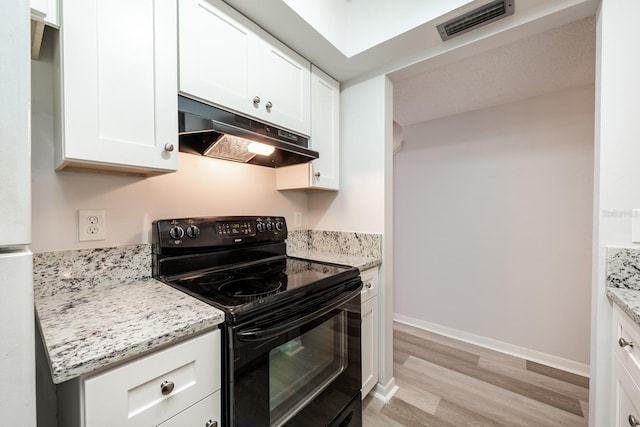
{"x": 205, "y": 413}
{"x": 625, "y": 361}
{"x": 369, "y": 309}
{"x": 176, "y": 386}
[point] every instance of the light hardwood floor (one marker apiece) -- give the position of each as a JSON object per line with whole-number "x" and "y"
{"x": 445, "y": 382}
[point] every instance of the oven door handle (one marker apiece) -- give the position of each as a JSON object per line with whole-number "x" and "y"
{"x": 263, "y": 334}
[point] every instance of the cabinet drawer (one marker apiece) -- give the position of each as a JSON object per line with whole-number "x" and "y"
{"x": 204, "y": 413}
{"x": 133, "y": 394}
{"x": 369, "y": 283}
{"x": 625, "y": 331}
{"x": 626, "y": 396}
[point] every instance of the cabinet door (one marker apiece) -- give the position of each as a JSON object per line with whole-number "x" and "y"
{"x": 324, "y": 172}
{"x": 281, "y": 78}
{"x": 154, "y": 388}
{"x": 214, "y": 54}
{"x": 119, "y": 84}
{"x": 325, "y": 130}
{"x": 369, "y": 345}
{"x": 625, "y": 396}
{"x": 204, "y": 413}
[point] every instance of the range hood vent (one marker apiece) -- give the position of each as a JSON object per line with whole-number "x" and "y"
{"x": 476, "y": 18}
{"x": 210, "y": 131}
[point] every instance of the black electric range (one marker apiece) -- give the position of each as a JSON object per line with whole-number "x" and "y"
{"x": 281, "y": 313}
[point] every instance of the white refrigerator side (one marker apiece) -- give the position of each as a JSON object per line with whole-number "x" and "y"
{"x": 15, "y": 119}
{"x": 17, "y": 354}
{"x": 17, "y": 358}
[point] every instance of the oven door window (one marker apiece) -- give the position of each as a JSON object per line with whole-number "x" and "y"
{"x": 304, "y": 366}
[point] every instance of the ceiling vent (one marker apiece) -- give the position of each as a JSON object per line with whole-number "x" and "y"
{"x": 476, "y": 18}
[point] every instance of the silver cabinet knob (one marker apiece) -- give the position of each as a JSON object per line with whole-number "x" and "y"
{"x": 317, "y": 174}
{"x": 166, "y": 387}
{"x": 211, "y": 423}
{"x": 633, "y": 421}
{"x": 368, "y": 285}
{"x": 269, "y": 105}
{"x": 256, "y": 100}
{"x": 168, "y": 146}
{"x": 624, "y": 343}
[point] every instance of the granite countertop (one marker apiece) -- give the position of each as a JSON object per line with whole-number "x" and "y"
{"x": 362, "y": 250}
{"x": 628, "y": 300}
{"x": 362, "y": 262}
{"x": 623, "y": 280}
{"x": 100, "y": 306}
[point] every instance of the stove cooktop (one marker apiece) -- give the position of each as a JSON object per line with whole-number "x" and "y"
{"x": 251, "y": 286}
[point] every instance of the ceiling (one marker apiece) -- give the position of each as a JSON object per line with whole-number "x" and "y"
{"x": 547, "y": 62}
{"x": 547, "y": 45}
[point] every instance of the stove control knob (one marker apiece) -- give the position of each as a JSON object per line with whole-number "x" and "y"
{"x": 260, "y": 227}
{"x": 279, "y": 226}
{"x": 176, "y": 232}
{"x": 193, "y": 231}
{"x": 269, "y": 226}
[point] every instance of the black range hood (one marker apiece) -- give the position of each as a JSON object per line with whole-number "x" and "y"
{"x": 213, "y": 132}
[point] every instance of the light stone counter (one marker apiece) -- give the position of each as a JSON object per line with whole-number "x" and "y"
{"x": 623, "y": 280}
{"x": 361, "y": 250}
{"x": 97, "y": 307}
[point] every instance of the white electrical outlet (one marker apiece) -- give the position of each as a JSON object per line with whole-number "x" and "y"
{"x": 92, "y": 225}
{"x": 297, "y": 220}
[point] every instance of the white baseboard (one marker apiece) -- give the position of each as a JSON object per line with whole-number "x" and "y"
{"x": 503, "y": 347}
{"x": 385, "y": 392}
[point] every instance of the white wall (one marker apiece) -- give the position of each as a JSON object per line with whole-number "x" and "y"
{"x": 493, "y": 225}
{"x": 364, "y": 202}
{"x": 203, "y": 186}
{"x": 617, "y": 174}
{"x": 359, "y": 205}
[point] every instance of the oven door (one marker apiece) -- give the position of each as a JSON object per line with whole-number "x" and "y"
{"x": 302, "y": 370}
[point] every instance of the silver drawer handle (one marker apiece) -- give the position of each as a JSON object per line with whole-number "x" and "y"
{"x": 166, "y": 387}
{"x": 633, "y": 421}
{"x": 211, "y": 423}
{"x": 168, "y": 147}
{"x": 317, "y": 174}
{"x": 269, "y": 106}
{"x": 368, "y": 285}
{"x": 256, "y": 100}
{"x": 624, "y": 343}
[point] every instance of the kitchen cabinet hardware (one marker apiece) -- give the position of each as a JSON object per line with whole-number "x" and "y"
{"x": 269, "y": 106}
{"x": 624, "y": 343}
{"x": 211, "y": 423}
{"x": 317, "y": 174}
{"x": 167, "y": 387}
{"x": 368, "y": 285}
{"x": 256, "y": 100}
{"x": 168, "y": 147}
{"x": 633, "y": 421}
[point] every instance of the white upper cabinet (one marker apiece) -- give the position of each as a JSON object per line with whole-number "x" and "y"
{"x": 118, "y": 93}
{"x": 228, "y": 61}
{"x": 45, "y": 11}
{"x": 324, "y": 172}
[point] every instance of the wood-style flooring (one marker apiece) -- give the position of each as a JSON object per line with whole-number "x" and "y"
{"x": 445, "y": 382}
